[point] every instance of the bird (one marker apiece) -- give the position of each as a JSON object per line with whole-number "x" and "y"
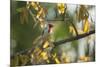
{"x": 47, "y": 31}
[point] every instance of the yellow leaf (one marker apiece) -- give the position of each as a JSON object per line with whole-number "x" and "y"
{"x": 40, "y": 15}
{"x": 80, "y": 31}
{"x": 72, "y": 30}
{"x": 54, "y": 55}
{"x": 32, "y": 55}
{"x": 48, "y": 61}
{"x": 46, "y": 44}
{"x": 34, "y": 5}
{"x": 85, "y": 58}
{"x": 40, "y": 19}
{"x": 42, "y": 25}
{"x": 37, "y": 51}
{"x": 28, "y": 4}
{"x": 67, "y": 60}
{"x": 44, "y": 55}
{"x": 57, "y": 61}
{"x": 55, "y": 58}
{"x": 61, "y": 8}
{"x": 86, "y": 26}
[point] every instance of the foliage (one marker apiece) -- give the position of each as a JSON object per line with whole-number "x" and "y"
{"x": 30, "y": 19}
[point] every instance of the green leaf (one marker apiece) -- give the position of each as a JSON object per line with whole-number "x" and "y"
{"x": 19, "y": 9}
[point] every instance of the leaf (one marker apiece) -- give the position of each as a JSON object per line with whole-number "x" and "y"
{"x": 24, "y": 15}
{"x": 37, "y": 50}
{"x": 28, "y": 4}
{"x": 24, "y": 59}
{"x": 44, "y": 55}
{"x": 61, "y": 8}
{"x": 72, "y": 30}
{"x": 32, "y": 55}
{"x": 55, "y": 58}
{"x": 40, "y": 15}
{"x": 86, "y": 27}
{"x": 57, "y": 61}
{"x": 54, "y": 55}
{"x": 15, "y": 61}
{"x": 35, "y": 5}
{"x": 84, "y": 58}
{"x": 48, "y": 61}
{"x": 19, "y": 9}
{"x": 80, "y": 31}
{"x": 65, "y": 58}
{"x": 83, "y": 13}
{"x": 46, "y": 44}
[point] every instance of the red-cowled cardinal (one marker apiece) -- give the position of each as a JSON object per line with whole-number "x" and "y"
{"x": 47, "y": 30}
{"x": 50, "y": 28}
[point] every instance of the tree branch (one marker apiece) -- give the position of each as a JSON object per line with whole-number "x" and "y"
{"x": 61, "y": 41}
{"x": 73, "y": 38}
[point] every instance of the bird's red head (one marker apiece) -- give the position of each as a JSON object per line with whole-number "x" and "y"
{"x": 50, "y": 26}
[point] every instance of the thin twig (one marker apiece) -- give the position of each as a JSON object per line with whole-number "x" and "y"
{"x": 74, "y": 28}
